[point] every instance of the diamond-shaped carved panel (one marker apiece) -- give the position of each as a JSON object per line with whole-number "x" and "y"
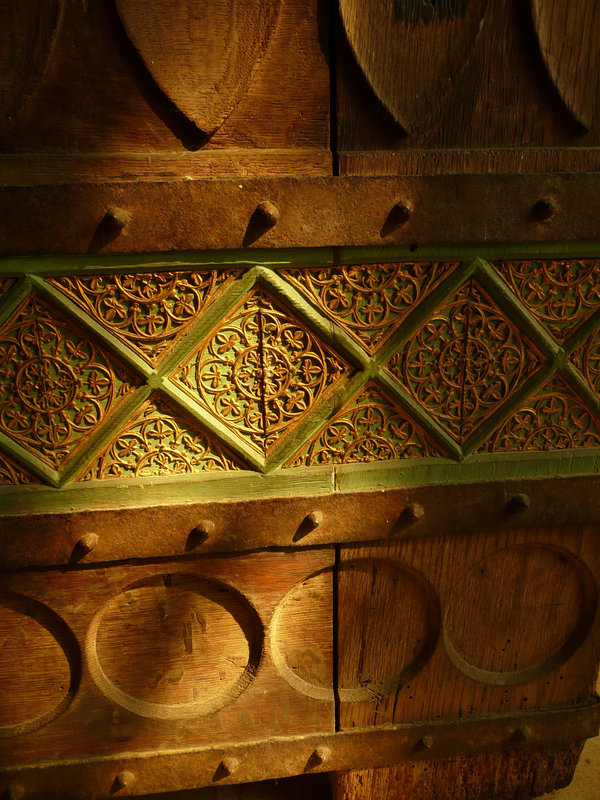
{"x": 465, "y": 361}
{"x": 150, "y": 312}
{"x": 56, "y": 385}
{"x": 372, "y": 427}
{"x": 554, "y": 418}
{"x": 587, "y": 360}
{"x": 369, "y": 302}
{"x": 261, "y": 371}
{"x": 560, "y": 294}
{"x": 160, "y": 440}
{"x": 12, "y": 474}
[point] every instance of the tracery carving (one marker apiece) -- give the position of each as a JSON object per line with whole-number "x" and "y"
{"x": 371, "y": 427}
{"x": 261, "y": 371}
{"x": 56, "y": 385}
{"x": 465, "y": 361}
{"x": 587, "y": 360}
{"x": 150, "y": 312}
{"x": 12, "y": 474}
{"x": 370, "y": 301}
{"x": 553, "y": 419}
{"x": 160, "y": 440}
{"x": 560, "y": 294}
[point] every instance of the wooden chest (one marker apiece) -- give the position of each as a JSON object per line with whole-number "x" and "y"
{"x": 299, "y": 395}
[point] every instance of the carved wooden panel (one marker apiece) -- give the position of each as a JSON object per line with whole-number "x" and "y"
{"x": 172, "y": 90}
{"x": 148, "y": 374}
{"x": 449, "y": 87}
{"x": 202, "y": 58}
{"x": 186, "y": 654}
{"x": 567, "y": 34}
{"x": 430, "y": 43}
{"x": 473, "y": 624}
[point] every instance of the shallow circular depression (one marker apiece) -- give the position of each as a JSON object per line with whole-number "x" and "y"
{"x": 388, "y": 625}
{"x": 40, "y": 664}
{"x": 174, "y": 646}
{"x": 519, "y": 613}
{"x": 302, "y": 636}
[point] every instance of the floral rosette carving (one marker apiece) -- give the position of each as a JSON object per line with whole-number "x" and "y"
{"x": 160, "y": 441}
{"x": 148, "y": 311}
{"x": 553, "y": 419}
{"x": 56, "y": 386}
{"x": 465, "y": 361}
{"x": 370, "y": 428}
{"x": 369, "y": 302}
{"x": 261, "y": 371}
{"x": 560, "y": 294}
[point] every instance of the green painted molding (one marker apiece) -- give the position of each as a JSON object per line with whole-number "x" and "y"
{"x": 268, "y": 476}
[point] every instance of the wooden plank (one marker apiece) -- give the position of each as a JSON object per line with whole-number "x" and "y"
{"x": 412, "y": 52}
{"x": 350, "y": 211}
{"x": 568, "y": 34}
{"x": 456, "y": 627}
{"x": 473, "y": 624}
{"x": 28, "y": 32}
{"x": 500, "y": 101}
{"x": 158, "y": 656}
{"x": 497, "y": 776}
{"x": 202, "y": 58}
{"x": 98, "y": 96}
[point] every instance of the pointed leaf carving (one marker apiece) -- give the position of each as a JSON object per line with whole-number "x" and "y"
{"x": 412, "y": 51}
{"x": 201, "y": 54}
{"x": 28, "y": 31}
{"x": 568, "y": 33}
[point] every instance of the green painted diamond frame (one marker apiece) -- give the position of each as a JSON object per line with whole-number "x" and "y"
{"x": 238, "y": 375}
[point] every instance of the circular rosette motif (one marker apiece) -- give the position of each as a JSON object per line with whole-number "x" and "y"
{"x": 519, "y": 613}
{"x": 40, "y": 667}
{"x": 175, "y": 646}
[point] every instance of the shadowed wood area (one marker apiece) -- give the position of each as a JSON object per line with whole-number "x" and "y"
{"x": 411, "y": 52}
{"x": 202, "y": 56}
{"x": 568, "y": 34}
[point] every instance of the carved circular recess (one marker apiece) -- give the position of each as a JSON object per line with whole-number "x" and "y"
{"x": 389, "y": 625}
{"x": 175, "y": 646}
{"x": 40, "y": 665}
{"x": 301, "y": 636}
{"x": 519, "y": 613}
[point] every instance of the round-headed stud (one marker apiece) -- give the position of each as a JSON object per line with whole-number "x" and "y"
{"x": 524, "y": 732}
{"x": 204, "y": 529}
{"x": 115, "y": 220}
{"x": 543, "y": 209}
{"x": 315, "y": 518}
{"x": 124, "y": 779}
{"x": 518, "y": 504}
{"x": 321, "y": 754}
{"x": 87, "y": 543}
{"x": 413, "y": 512}
{"x": 427, "y": 741}
{"x": 266, "y": 214}
{"x": 230, "y": 765}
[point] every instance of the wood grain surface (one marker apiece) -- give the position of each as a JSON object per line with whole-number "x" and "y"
{"x": 410, "y": 57}
{"x": 28, "y": 31}
{"x": 568, "y": 32}
{"x": 202, "y": 56}
{"x": 504, "y": 638}
{"x": 158, "y": 656}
